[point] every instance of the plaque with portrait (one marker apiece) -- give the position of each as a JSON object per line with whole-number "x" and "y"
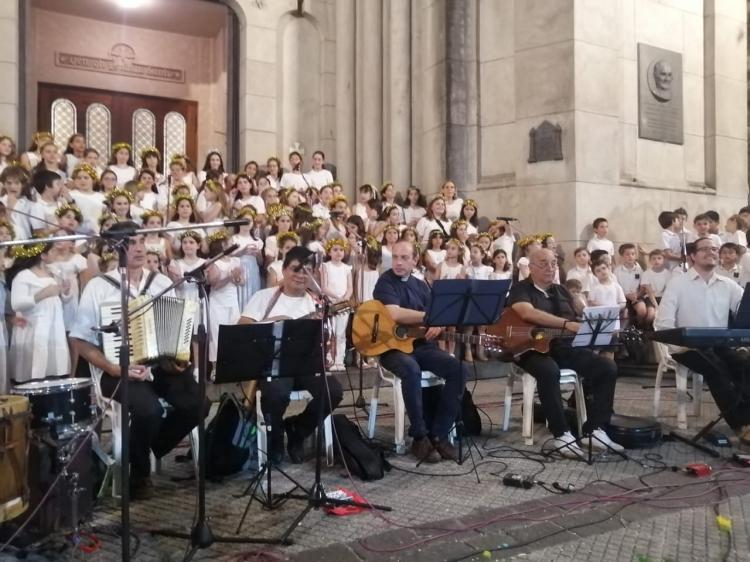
{"x": 659, "y": 94}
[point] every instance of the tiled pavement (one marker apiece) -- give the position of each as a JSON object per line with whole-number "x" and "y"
{"x": 451, "y": 500}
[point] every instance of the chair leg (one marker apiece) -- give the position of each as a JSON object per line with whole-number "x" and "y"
{"x": 328, "y": 431}
{"x": 657, "y": 388}
{"x": 697, "y": 394}
{"x": 580, "y": 405}
{"x": 509, "y": 382}
{"x": 194, "y": 444}
{"x": 529, "y": 386}
{"x": 374, "y": 407}
{"x": 681, "y": 382}
{"x": 399, "y": 415}
{"x": 262, "y": 432}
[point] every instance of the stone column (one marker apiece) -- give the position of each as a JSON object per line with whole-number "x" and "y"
{"x": 461, "y": 90}
{"x": 400, "y": 93}
{"x": 346, "y": 148}
{"x": 9, "y": 69}
{"x": 369, "y": 93}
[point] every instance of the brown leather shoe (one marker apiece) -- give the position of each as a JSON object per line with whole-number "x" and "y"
{"x": 445, "y": 449}
{"x": 424, "y": 451}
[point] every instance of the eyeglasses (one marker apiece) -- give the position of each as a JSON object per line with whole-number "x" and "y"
{"x": 712, "y": 249}
{"x": 545, "y": 264}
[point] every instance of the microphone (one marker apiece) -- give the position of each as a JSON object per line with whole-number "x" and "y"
{"x": 304, "y": 263}
{"x": 197, "y": 273}
{"x": 111, "y": 328}
{"x": 506, "y": 219}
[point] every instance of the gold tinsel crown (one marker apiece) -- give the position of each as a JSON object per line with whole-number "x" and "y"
{"x": 184, "y": 198}
{"x": 29, "y": 250}
{"x": 247, "y": 211}
{"x": 179, "y": 186}
{"x": 343, "y": 242}
{"x": 373, "y": 244}
{"x": 218, "y": 236}
{"x": 118, "y": 145}
{"x": 278, "y": 210}
{"x": 284, "y": 236}
{"x": 62, "y": 209}
{"x": 194, "y": 234}
{"x": 88, "y": 168}
{"x": 150, "y": 213}
{"x": 470, "y": 203}
{"x": 145, "y": 151}
{"x": 338, "y": 199}
{"x": 118, "y": 192}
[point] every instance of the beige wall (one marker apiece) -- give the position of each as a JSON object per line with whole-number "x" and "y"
{"x": 9, "y": 60}
{"x": 203, "y": 59}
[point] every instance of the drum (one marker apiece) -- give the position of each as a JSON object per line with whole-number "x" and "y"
{"x": 59, "y": 403}
{"x": 14, "y": 454}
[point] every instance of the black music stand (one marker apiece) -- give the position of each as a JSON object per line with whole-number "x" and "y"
{"x": 464, "y": 303}
{"x": 288, "y": 348}
{"x": 597, "y": 330}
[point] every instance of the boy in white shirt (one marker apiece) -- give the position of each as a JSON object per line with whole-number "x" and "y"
{"x": 729, "y": 261}
{"x": 702, "y": 225}
{"x": 672, "y": 239}
{"x": 628, "y": 275}
{"x": 607, "y": 292}
{"x": 582, "y": 269}
{"x": 600, "y": 241}
{"x": 734, "y": 231}
{"x": 654, "y": 280}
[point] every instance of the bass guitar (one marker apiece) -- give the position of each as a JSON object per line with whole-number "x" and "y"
{"x": 374, "y": 332}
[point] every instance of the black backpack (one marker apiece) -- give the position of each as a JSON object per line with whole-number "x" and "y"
{"x": 230, "y": 438}
{"x": 362, "y": 459}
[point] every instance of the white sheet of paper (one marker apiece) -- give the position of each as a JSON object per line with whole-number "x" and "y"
{"x": 610, "y": 323}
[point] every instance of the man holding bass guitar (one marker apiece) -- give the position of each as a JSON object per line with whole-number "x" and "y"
{"x": 406, "y": 299}
{"x": 541, "y": 302}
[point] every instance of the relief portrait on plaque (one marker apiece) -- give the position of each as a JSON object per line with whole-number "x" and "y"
{"x": 659, "y": 94}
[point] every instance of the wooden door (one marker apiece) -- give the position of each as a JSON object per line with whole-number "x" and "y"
{"x": 107, "y": 117}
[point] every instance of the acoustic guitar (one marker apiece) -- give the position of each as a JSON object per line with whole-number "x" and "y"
{"x": 518, "y": 336}
{"x": 374, "y": 332}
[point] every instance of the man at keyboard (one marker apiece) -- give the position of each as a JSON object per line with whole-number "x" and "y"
{"x": 702, "y": 299}
{"x": 149, "y": 431}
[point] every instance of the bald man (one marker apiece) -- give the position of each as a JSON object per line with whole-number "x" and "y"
{"x": 540, "y": 301}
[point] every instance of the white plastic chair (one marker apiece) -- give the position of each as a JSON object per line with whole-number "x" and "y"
{"x": 399, "y": 410}
{"x": 112, "y": 410}
{"x": 262, "y": 432}
{"x": 567, "y": 376}
{"x": 667, "y": 363}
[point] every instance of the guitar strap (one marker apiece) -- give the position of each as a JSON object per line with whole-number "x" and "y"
{"x": 272, "y": 303}
{"x": 116, "y": 283}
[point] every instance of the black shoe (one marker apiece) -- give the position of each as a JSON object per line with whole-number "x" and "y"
{"x": 423, "y": 450}
{"x": 295, "y": 443}
{"x": 141, "y": 489}
{"x": 445, "y": 449}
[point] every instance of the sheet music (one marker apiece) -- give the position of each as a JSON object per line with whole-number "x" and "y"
{"x": 610, "y": 323}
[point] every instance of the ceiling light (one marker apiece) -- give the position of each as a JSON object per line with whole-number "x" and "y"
{"x": 131, "y": 4}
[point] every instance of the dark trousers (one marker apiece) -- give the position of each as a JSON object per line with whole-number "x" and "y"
{"x": 598, "y": 374}
{"x": 725, "y": 371}
{"x": 275, "y": 400}
{"x": 149, "y": 431}
{"x": 408, "y": 367}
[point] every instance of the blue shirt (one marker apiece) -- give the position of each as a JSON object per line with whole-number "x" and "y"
{"x": 392, "y": 289}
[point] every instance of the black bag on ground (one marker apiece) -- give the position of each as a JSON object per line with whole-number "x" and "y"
{"x": 229, "y": 439}
{"x": 362, "y": 459}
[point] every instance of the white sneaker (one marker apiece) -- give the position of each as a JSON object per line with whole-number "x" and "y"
{"x": 601, "y": 442}
{"x": 566, "y": 445}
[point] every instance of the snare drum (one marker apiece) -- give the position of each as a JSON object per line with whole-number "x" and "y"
{"x": 14, "y": 454}
{"x": 61, "y": 402}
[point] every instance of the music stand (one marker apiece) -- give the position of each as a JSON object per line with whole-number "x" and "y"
{"x": 288, "y": 348}
{"x": 464, "y": 303}
{"x": 596, "y": 331}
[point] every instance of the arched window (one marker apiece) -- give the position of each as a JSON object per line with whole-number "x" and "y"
{"x": 175, "y": 134}
{"x": 144, "y": 133}
{"x": 63, "y": 121}
{"x": 99, "y": 130}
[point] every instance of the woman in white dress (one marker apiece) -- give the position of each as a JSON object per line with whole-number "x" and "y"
{"x": 39, "y": 347}
{"x": 90, "y": 202}
{"x": 214, "y": 165}
{"x": 121, "y": 163}
{"x": 224, "y": 277}
{"x": 453, "y": 203}
{"x": 435, "y": 219}
{"x": 74, "y": 153}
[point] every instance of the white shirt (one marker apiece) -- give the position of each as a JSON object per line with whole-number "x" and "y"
{"x": 629, "y": 279}
{"x": 689, "y": 301}
{"x": 657, "y": 280}
{"x": 601, "y": 244}
{"x": 584, "y": 275}
{"x": 453, "y": 209}
{"x": 479, "y": 271}
{"x": 413, "y": 214}
{"x": 91, "y": 205}
{"x": 506, "y": 243}
{"x": 21, "y": 222}
{"x": 291, "y": 307}
{"x": 692, "y": 237}
{"x": 319, "y": 178}
{"x": 297, "y": 181}
{"x": 44, "y": 214}
{"x": 610, "y": 294}
{"x": 738, "y": 237}
{"x": 672, "y": 241}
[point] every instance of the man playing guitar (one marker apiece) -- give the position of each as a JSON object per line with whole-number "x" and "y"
{"x": 290, "y": 301}
{"x": 541, "y": 302}
{"x": 406, "y": 299}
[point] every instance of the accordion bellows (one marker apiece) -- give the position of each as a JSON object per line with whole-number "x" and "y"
{"x": 161, "y": 330}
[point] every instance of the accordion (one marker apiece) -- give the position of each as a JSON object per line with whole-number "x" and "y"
{"x": 162, "y": 330}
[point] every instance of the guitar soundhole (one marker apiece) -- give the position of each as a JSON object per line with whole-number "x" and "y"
{"x": 537, "y": 334}
{"x": 402, "y": 332}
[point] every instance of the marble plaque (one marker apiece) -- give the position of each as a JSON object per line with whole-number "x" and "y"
{"x": 545, "y": 142}
{"x": 659, "y": 94}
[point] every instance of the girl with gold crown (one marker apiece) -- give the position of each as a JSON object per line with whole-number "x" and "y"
{"x": 121, "y": 163}
{"x": 453, "y": 203}
{"x": 38, "y": 346}
{"x": 119, "y": 202}
{"x": 250, "y": 253}
{"x": 32, "y": 157}
{"x": 213, "y": 168}
{"x": 281, "y": 222}
{"x": 337, "y": 283}
{"x": 90, "y": 202}
{"x": 245, "y": 195}
{"x": 50, "y": 160}
{"x": 16, "y": 195}
{"x": 216, "y": 205}
{"x": 108, "y": 182}
{"x": 156, "y": 241}
{"x": 74, "y": 152}
{"x": 225, "y": 277}
{"x": 275, "y": 271}
{"x": 184, "y": 215}
{"x": 151, "y": 160}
